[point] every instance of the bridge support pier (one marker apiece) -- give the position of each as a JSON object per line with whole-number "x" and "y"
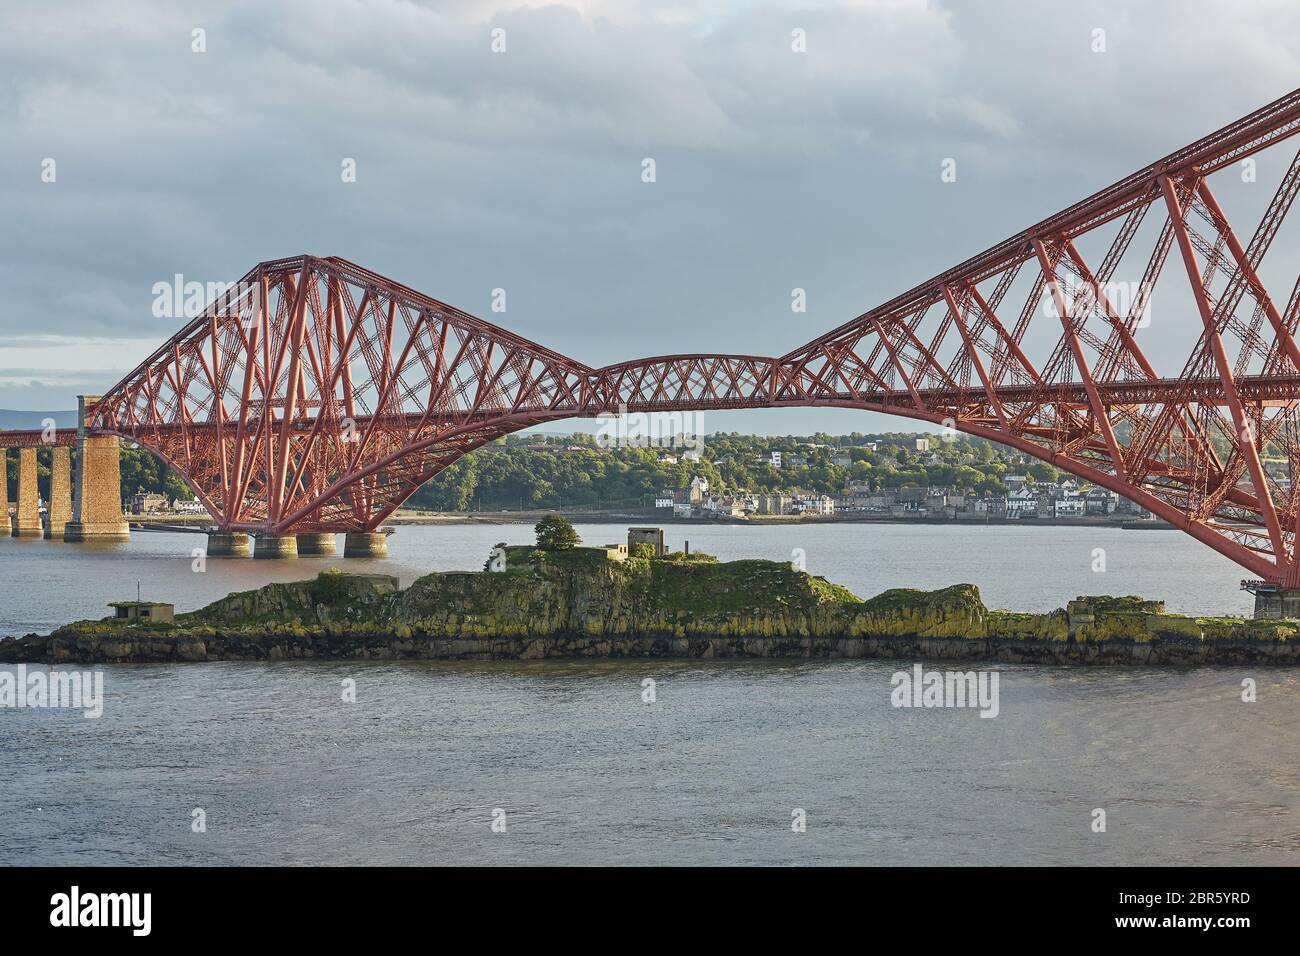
{"x": 276, "y": 546}
{"x": 97, "y": 485}
{"x": 59, "y": 508}
{"x": 229, "y": 544}
{"x": 323, "y": 543}
{"x": 365, "y": 544}
{"x": 4, "y": 488}
{"x": 27, "y": 513}
{"x": 1272, "y": 601}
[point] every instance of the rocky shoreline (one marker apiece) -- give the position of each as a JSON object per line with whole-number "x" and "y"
{"x": 587, "y": 603}
{"x": 237, "y": 646}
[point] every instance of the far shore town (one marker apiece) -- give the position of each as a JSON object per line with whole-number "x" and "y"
{"x": 728, "y": 478}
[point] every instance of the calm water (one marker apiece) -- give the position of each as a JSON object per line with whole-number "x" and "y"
{"x": 587, "y": 772}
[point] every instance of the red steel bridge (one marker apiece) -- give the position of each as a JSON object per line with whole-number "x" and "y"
{"x": 317, "y": 396}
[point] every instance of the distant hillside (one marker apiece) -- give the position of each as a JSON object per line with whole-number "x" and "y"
{"x": 11, "y": 419}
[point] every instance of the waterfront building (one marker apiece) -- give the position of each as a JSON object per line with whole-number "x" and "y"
{"x": 1072, "y": 506}
{"x": 146, "y": 503}
{"x": 773, "y": 504}
{"x": 143, "y": 611}
{"x": 1100, "y": 501}
{"x": 1022, "y": 502}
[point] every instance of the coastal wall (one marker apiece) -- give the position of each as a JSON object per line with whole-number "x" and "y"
{"x": 236, "y": 646}
{"x": 580, "y": 604}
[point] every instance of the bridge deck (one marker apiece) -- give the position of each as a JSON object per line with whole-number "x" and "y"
{"x": 1259, "y": 390}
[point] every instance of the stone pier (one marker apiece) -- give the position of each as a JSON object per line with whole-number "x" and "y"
{"x": 27, "y": 512}
{"x": 97, "y": 485}
{"x": 4, "y": 488}
{"x": 59, "y": 506}
{"x": 365, "y": 544}
{"x": 229, "y": 544}
{"x": 324, "y": 543}
{"x": 276, "y": 546}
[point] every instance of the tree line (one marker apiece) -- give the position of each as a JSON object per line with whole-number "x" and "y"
{"x": 573, "y": 471}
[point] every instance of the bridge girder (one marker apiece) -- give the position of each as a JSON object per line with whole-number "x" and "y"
{"x": 317, "y": 395}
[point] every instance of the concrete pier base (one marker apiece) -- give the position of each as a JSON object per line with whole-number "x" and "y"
{"x": 229, "y": 544}
{"x": 363, "y": 544}
{"x": 1273, "y": 602}
{"x": 59, "y": 507}
{"x": 27, "y": 515}
{"x": 322, "y": 543}
{"x": 276, "y": 546}
{"x": 97, "y": 485}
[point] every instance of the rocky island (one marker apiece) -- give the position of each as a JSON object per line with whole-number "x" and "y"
{"x": 538, "y": 602}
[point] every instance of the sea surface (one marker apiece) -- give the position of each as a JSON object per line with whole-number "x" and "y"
{"x": 576, "y": 766}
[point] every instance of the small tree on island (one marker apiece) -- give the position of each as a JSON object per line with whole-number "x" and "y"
{"x": 555, "y": 533}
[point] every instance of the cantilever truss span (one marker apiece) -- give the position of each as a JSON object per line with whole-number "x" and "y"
{"x": 317, "y": 395}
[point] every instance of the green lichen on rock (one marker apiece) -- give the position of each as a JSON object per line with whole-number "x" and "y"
{"x": 1106, "y": 618}
{"x": 1024, "y": 626}
{"x": 589, "y": 601}
{"x": 955, "y": 611}
{"x": 1247, "y": 629}
{"x": 331, "y": 595}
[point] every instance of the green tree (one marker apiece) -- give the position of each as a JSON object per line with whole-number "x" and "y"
{"x": 556, "y": 533}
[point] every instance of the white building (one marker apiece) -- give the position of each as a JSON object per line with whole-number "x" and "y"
{"x": 1071, "y": 507}
{"x": 815, "y": 505}
{"x": 1021, "y": 502}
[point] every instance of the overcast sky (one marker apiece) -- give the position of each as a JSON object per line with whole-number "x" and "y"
{"x": 522, "y": 169}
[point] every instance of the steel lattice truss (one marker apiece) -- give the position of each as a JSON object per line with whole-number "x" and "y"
{"x": 318, "y": 396}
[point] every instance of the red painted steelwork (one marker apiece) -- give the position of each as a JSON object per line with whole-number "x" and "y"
{"x": 318, "y": 395}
